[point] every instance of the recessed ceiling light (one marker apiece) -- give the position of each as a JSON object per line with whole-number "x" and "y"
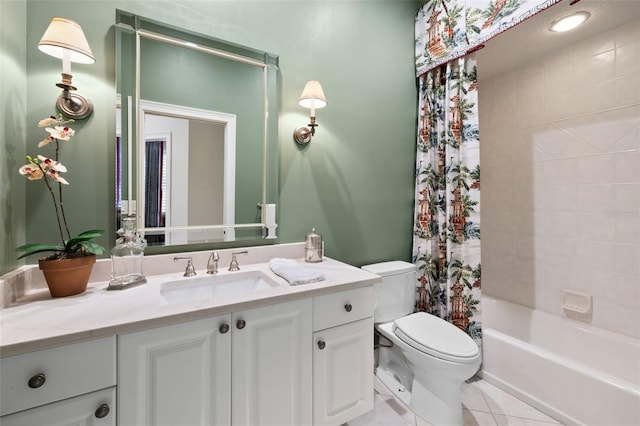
{"x": 569, "y": 22}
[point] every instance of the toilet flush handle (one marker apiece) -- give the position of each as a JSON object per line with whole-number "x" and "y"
{"x": 348, "y": 307}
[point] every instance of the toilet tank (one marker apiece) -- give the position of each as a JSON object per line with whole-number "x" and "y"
{"x": 395, "y": 296}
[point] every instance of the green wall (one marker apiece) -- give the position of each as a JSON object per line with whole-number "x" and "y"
{"x": 13, "y": 110}
{"x": 354, "y": 182}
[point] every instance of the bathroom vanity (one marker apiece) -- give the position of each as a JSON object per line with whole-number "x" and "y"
{"x": 286, "y": 355}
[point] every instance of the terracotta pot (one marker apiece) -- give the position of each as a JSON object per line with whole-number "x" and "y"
{"x": 67, "y": 277}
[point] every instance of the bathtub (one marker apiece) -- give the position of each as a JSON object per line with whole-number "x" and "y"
{"x": 572, "y": 371}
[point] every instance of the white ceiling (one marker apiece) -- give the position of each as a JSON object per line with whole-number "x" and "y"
{"x": 531, "y": 38}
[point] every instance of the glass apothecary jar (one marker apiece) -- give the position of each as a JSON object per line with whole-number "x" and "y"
{"x": 126, "y": 257}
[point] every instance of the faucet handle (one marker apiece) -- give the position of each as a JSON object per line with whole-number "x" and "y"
{"x": 212, "y": 264}
{"x": 233, "y": 266}
{"x": 190, "y": 271}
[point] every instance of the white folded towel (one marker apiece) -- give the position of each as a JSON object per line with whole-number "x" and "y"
{"x": 295, "y": 272}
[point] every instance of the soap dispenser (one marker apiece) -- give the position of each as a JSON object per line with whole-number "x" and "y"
{"x": 313, "y": 248}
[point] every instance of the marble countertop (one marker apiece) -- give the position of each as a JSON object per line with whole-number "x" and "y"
{"x": 38, "y": 322}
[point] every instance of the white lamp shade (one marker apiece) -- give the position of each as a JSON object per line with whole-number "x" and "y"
{"x": 66, "y": 35}
{"x": 312, "y": 95}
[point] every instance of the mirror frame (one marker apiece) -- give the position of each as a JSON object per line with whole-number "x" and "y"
{"x": 132, "y": 119}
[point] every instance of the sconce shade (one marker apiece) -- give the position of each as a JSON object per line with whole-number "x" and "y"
{"x": 66, "y": 35}
{"x": 312, "y": 95}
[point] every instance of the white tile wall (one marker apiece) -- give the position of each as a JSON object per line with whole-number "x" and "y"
{"x": 560, "y": 152}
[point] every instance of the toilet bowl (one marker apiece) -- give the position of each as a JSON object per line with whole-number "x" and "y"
{"x": 422, "y": 359}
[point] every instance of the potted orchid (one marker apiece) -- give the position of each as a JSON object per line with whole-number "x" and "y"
{"x": 72, "y": 259}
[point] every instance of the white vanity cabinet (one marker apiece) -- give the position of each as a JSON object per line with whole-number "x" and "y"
{"x": 343, "y": 356}
{"x": 282, "y": 356}
{"x": 250, "y": 367}
{"x": 176, "y": 375}
{"x": 271, "y": 365}
{"x": 66, "y": 385}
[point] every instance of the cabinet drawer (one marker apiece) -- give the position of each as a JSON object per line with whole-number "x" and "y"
{"x": 41, "y": 377}
{"x": 95, "y": 409}
{"x": 343, "y": 307}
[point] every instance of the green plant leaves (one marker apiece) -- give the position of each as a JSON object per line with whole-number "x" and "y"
{"x": 30, "y": 249}
{"x": 80, "y": 243}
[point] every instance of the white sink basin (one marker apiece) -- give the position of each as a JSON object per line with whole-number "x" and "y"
{"x": 215, "y": 286}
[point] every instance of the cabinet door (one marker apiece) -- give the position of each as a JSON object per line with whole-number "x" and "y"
{"x": 272, "y": 365}
{"x": 343, "y": 372}
{"x": 92, "y": 409}
{"x": 176, "y": 375}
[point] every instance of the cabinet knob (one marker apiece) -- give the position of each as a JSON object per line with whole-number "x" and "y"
{"x": 321, "y": 344}
{"x": 348, "y": 307}
{"x": 240, "y": 324}
{"x": 36, "y": 381}
{"x": 224, "y": 328}
{"x": 102, "y": 411}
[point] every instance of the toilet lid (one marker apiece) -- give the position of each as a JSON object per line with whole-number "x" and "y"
{"x": 436, "y": 337}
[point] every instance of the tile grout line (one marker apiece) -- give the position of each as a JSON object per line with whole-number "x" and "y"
{"x": 486, "y": 401}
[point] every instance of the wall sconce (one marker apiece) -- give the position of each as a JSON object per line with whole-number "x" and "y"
{"x": 312, "y": 97}
{"x": 65, "y": 40}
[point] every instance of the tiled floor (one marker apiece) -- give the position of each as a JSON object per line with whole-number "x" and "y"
{"x": 483, "y": 405}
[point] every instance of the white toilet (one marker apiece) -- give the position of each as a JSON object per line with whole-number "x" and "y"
{"x": 422, "y": 359}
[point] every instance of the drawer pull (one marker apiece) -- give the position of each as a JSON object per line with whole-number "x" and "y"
{"x": 240, "y": 324}
{"x": 36, "y": 381}
{"x": 224, "y": 328}
{"x": 102, "y": 411}
{"x": 348, "y": 307}
{"x": 321, "y": 344}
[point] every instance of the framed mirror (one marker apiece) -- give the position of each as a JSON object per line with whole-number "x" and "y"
{"x": 196, "y": 142}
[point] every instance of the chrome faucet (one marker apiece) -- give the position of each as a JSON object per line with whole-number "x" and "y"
{"x": 233, "y": 266}
{"x": 189, "y": 271}
{"x": 212, "y": 264}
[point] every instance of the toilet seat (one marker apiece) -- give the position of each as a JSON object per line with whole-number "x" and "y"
{"x": 436, "y": 337}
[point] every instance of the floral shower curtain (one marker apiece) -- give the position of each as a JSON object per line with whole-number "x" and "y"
{"x": 446, "y": 247}
{"x": 449, "y": 29}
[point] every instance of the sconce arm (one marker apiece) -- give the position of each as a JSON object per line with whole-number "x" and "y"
{"x": 303, "y": 135}
{"x": 73, "y": 105}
